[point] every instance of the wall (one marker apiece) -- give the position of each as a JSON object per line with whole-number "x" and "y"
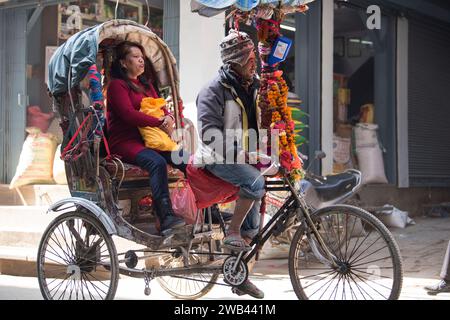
{"x": 308, "y": 80}
{"x": 2, "y": 96}
{"x": 411, "y": 200}
{"x": 199, "y": 54}
{"x": 327, "y": 84}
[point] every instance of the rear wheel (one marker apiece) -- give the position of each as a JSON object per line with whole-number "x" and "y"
{"x": 77, "y": 260}
{"x": 192, "y": 286}
{"x": 368, "y": 264}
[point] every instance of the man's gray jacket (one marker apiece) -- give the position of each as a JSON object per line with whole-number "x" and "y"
{"x": 222, "y": 123}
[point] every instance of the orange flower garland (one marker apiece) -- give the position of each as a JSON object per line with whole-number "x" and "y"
{"x": 281, "y": 120}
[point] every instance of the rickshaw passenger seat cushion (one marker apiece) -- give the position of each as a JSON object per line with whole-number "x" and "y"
{"x": 134, "y": 173}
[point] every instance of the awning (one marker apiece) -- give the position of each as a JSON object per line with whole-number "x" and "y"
{"x": 247, "y": 5}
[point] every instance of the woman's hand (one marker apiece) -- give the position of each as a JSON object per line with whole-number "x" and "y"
{"x": 167, "y": 125}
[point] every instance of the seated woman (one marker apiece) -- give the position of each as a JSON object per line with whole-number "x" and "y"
{"x": 132, "y": 82}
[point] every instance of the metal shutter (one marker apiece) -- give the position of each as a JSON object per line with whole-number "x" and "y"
{"x": 429, "y": 104}
{"x": 13, "y": 83}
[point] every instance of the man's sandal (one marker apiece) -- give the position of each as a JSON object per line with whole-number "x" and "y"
{"x": 234, "y": 242}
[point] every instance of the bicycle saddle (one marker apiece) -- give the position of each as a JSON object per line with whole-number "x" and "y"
{"x": 334, "y": 186}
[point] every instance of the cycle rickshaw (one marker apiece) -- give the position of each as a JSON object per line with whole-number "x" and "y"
{"x": 337, "y": 252}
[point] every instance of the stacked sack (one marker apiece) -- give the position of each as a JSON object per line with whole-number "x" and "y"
{"x": 369, "y": 153}
{"x": 36, "y": 160}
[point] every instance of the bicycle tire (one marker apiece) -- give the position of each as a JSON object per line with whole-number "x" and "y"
{"x": 75, "y": 261}
{"x": 349, "y": 269}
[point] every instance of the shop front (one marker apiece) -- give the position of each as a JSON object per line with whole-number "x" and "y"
{"x": 373, "y": 77}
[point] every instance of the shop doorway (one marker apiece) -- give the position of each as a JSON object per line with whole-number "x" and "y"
{"x": 364, "y": 92}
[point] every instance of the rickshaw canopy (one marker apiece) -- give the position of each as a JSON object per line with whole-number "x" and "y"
{"x": 71, "y": 61}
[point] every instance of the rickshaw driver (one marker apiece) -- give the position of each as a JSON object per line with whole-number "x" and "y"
{"x": 132, "y": 82}
{"x": 223, "y": 105}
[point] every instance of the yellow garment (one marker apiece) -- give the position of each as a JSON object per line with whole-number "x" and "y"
{"x": 155, "y": 138}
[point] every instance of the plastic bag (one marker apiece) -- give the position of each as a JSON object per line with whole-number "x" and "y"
{"x": 209, "y": 189}
{"x": 183, "y": 202}
{"x": 396, "y": 218}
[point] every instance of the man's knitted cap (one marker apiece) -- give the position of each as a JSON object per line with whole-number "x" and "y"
{"x": 236, "y": 48}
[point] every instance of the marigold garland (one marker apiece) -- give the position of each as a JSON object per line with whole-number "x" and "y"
{"x": 273, "y": 102}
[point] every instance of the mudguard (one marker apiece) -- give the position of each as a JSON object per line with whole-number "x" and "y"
{"x": 92, "y": 209}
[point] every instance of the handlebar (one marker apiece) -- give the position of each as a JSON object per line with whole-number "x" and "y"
{"x": 275, "y": 164}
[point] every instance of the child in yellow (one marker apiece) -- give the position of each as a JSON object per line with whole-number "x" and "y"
{"x": 155, "y": 138}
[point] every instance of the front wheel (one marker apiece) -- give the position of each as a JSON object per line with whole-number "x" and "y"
{"x": 365, "y": 265}
{"x": 77, "y": 260}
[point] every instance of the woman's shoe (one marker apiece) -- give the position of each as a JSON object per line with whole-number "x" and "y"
{"x": 166, "y": 215}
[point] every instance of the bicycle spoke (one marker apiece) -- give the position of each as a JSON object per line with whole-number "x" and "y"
{"x": 357, "y": 265}
{"x": 328, "y": 282}
{"x": 315, "y": 275}
{"x": 329, "y": 245}
{"x": 84, "y": 276}
{"x": 359, "y": 270}
{"x": 65, "y": 253}
{"x": 335, "y": 290}
{"x": 97, "y": 280}
{"x": 64, "y": 292}
{"x": 359, "y": 288}
{"x": 339, "y": 237}
{"x": 355, "y": 249}
{"x": 351, "y": 289}
{"x": 369, "y": 255}
{"x": 355, "y": 259}
{"x": 56, "y": 278}
{"x": 73, "y": 247}
{"x": 70, "y": 253}
{"x": 369, "y": 285}
{"x": 93, "y": 285}
{"x": 379, "y": 284}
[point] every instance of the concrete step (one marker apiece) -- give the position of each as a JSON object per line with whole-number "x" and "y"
{"x": 22, "y": 226}
{"x": 18, "y": 261}
{"x": 24, "y": 217}
{"x": 33, "y": 195}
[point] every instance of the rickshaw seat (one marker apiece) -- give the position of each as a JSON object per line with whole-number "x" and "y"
{"x": 135, "y": 173}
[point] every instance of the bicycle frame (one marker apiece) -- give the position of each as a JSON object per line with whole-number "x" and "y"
{"x": 304, "y": 215}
